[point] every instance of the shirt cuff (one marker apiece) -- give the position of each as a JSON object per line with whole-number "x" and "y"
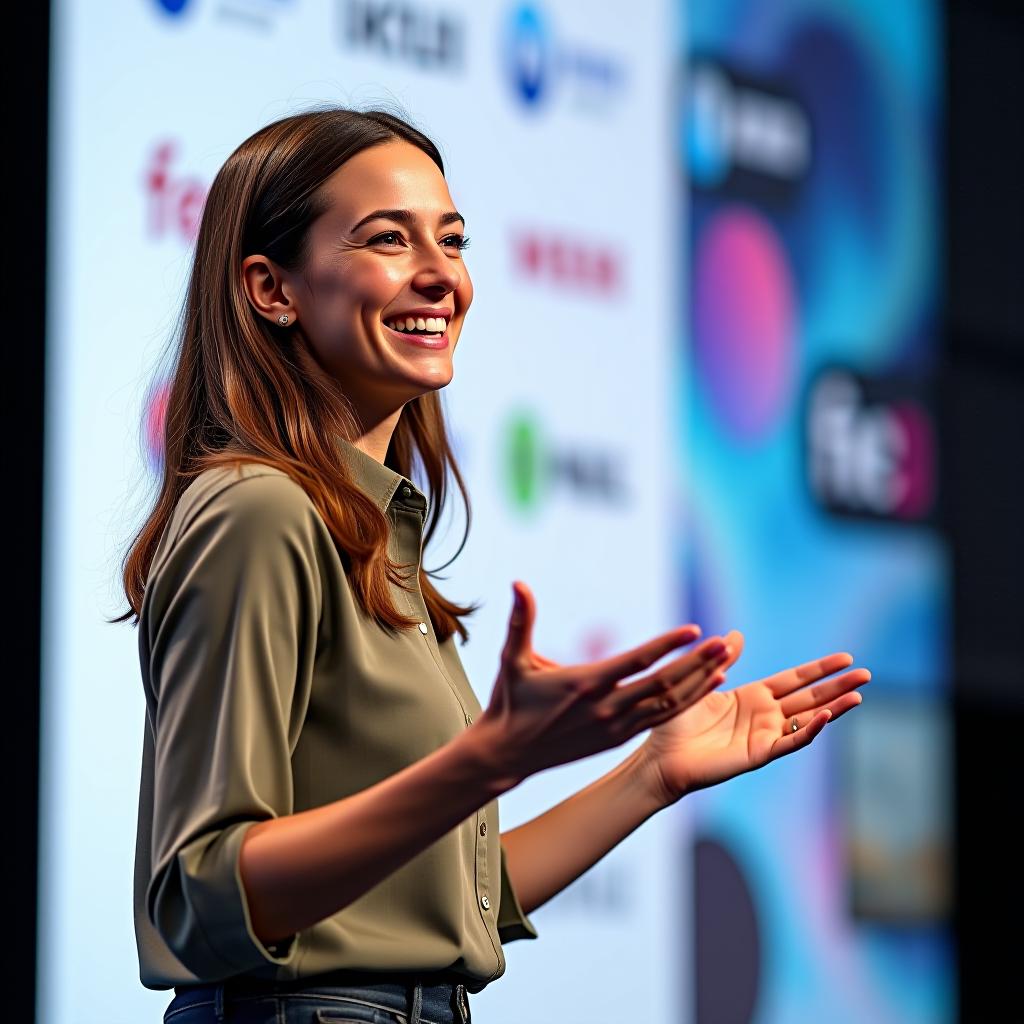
{"x": 512, "y": 921}
{"x": 219, "y": 910}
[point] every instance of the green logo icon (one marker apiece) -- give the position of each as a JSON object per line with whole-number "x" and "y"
{"x": 524, "y": 463}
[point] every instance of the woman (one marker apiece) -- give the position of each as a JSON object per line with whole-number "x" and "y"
{"x": 318, "y": 820}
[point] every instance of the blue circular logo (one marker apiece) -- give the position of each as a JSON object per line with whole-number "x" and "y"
{"x": 528, "y": 53}
{"x": 172, "y": 6}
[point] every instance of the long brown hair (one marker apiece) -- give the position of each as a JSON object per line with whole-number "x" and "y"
{"x": 243, "y": 390}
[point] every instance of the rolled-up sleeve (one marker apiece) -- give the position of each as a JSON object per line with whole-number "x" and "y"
{"x": 230, "y": 618}
{"x": 512, "y": 921}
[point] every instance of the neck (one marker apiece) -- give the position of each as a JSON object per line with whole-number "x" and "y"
{"x": 376, "y": 440}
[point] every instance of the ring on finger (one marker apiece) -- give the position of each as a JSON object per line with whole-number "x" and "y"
{"x": 793, "y": 724}
{"x": 665, "y": 703}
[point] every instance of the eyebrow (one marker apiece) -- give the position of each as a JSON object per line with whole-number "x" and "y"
{"x": 408, "y": 218}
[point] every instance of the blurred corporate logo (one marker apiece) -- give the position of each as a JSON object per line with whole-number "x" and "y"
{"x": 172, "y": 7}
{"x": 566, "y": 263}
{"x": 870, "y": 446}
{"x": 429, "y": 39}
{"x": 538, "y": 65}
{"x": 533, "y": 468}
{"x": 608, "y": 890}
{"x": 257, "y": 14}
{"x": 174, "y": 202}
{"x": 744, "y": 136}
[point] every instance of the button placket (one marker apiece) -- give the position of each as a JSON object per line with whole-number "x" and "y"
{"x": 414, "y": 605}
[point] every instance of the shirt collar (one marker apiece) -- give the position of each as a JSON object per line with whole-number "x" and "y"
{"x": 380, "y": 482}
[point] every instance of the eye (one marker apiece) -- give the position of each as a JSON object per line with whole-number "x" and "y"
{"x": 384, "y": 235}
{"x": 457, "y": 241}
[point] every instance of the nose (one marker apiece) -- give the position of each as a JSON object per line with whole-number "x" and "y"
{"x": 437, "y": 275}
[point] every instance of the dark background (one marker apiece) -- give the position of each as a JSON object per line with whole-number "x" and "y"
{"x": 982, "y": 424}
{"x": 983, "y": 421}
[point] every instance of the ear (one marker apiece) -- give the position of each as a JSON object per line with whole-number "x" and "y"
{"x": 267, "y": 291}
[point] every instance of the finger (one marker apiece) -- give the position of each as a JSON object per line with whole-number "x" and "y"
{"x": 655, "y": 710}
{"x": 608, "y": 672}
{"x": 520, "y": 625}
{"x": 841, "y": 706}
{"x": 736, "y": 642}
{"x": 807, "y": 729}
{"x": 689, "y": 668}
{"x": 783, "y": 683}
{"x": 817, "y": 697}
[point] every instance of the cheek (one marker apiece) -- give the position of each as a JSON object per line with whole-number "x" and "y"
{"x": 353, "y": 284}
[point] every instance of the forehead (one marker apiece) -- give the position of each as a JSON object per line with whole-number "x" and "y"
{"x": 390, "y": 175}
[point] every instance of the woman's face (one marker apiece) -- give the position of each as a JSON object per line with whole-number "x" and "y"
{"x": 387, "y": 249}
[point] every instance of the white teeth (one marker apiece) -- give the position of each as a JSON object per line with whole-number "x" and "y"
{"x": 431, "y": 324}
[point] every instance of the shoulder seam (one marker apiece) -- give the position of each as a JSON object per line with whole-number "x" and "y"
{"x": 227, "y": 487}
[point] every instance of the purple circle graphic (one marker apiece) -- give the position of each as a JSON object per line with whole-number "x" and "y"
{"x": 744, "y": 314}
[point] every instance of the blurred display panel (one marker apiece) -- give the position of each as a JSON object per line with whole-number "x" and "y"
{"x": 899, "y": 792}
{"x": 809, "y": 142}
{"x": 552, "y": 121}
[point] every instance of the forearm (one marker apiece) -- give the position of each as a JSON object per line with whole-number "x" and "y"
{"x": 547, "y": 853}
{"x": 301, "y": 868}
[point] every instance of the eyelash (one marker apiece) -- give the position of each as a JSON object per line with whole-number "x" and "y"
{"x": 461, "y": 241}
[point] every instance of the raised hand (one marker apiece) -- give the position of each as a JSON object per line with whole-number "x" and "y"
{"x": 543, "y": 714}
{"x": 726, "y": 733}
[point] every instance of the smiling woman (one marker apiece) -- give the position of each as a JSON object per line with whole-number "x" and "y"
{"x": 292, "y": 227}
{"x": 318, "y": 831}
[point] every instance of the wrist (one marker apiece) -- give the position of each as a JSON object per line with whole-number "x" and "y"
{"x": 651, "y": 778}
{"x": 481, "y": 745}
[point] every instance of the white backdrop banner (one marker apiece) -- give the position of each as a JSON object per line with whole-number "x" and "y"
{"x": 555, "y": 125}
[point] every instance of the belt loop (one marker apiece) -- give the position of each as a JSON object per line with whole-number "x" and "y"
{"x": 218, "y": 1002}
{"x": 417, "y": 1002}
{"x": 463, "y": 1001}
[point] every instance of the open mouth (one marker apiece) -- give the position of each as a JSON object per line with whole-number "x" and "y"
{"x": 421, "y": 327}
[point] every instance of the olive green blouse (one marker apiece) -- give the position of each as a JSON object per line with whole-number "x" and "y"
{"x": 268, "y": 692}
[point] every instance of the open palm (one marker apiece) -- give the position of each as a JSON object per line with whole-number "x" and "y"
{"x": 727, "y": 733}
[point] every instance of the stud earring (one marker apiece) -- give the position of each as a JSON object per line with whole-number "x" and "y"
{"x": 283, "y": 319}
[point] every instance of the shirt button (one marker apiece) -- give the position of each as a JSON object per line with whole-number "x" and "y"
{"x": 423, "y": 628}
{"x": 406, "y": 492}
{"x": 485, "y": 903}
{"x": 483, "y": 828}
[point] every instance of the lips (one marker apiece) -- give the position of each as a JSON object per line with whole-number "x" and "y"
{"x": 421, "y": 340}
{"x": 420, "y": 312}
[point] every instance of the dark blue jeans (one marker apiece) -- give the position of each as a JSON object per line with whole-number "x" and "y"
{"x": 368, "y": 999}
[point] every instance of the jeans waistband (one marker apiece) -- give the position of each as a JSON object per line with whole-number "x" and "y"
{"x": 426, "y": 996}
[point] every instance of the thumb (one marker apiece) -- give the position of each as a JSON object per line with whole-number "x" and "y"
{"x": 520, "y": 623}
